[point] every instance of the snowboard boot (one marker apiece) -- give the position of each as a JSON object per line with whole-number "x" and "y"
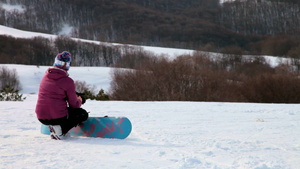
{"x": 55, "y": 132}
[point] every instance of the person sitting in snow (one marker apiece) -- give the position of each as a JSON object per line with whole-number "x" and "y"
{"x": 58, "y": 105}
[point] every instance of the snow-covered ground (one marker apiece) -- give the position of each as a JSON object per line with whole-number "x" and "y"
{"x": 12, "y": 8}
{"x": 175, "y": 135}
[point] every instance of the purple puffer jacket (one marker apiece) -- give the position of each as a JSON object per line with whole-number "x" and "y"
{"x": 56, "y": 90}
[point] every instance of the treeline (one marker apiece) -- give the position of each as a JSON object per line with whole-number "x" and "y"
{"x": 200, "y": 78}
{"x": 201, "y": 25}
{"x": 41, "y": 51}
{"x": 261, "y": 18}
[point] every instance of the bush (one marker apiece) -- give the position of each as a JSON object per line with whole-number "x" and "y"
{"x": 197, "y": 78}
{"x": 100, "y": 96}
{"x": 9, "y": 78}
{"x": 82, "y": 86}
{"x": 8, "y": 93}
{"x": 88, "y": 92}
{"x": 9, "y": 85}
{"x": 254, "y": 66}
{"x": 272, "y": 88}
{"x": 184, "y": 79}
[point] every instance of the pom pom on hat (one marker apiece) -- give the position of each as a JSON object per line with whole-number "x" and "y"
{"x": 61, "y": 59}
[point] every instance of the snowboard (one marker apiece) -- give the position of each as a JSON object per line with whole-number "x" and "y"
{"x": 104, "y": 127}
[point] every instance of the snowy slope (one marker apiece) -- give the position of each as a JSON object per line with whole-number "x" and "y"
{"x": 175, "y": 135}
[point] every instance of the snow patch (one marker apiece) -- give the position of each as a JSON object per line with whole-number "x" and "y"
{"x": 66, "y": 30}
{"x": 12, "y": 8}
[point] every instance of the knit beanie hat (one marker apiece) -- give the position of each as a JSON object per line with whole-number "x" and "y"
{"x": 61, "y": 59}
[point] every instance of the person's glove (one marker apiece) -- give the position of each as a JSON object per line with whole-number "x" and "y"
{"x": 82, "y": 96}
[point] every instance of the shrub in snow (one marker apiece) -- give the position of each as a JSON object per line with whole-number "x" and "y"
{"x": 9, "y": 85}
{"x": 88, "y": 91}
{"x": 9, "y": 77}
{"x": 8, "y": 93}
{"x": 87, "y": 94}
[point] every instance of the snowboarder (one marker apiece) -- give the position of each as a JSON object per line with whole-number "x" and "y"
{"x": 58, "y": 105}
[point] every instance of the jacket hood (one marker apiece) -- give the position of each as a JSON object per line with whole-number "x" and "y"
{"x": 56, "y": 73}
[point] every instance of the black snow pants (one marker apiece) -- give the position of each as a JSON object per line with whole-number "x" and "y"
{"x": 75, "y": 117}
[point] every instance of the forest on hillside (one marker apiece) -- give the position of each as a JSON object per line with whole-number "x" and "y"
{"x": 41, "y": 51}
{"x": 248, "y": 27}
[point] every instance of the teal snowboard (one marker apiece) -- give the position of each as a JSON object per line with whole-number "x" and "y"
{"x": 104, "y": 127}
